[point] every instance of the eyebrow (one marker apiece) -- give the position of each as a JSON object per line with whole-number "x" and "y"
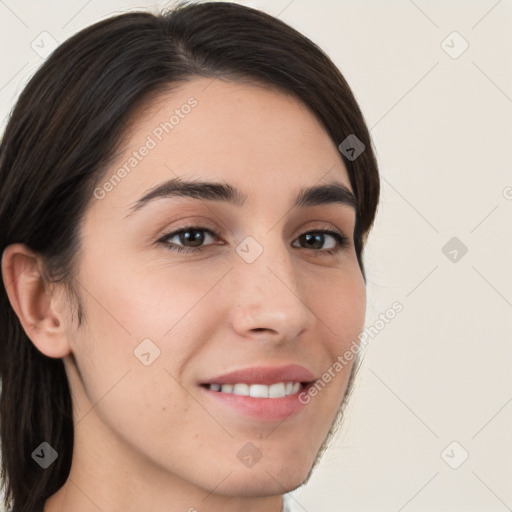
{"x": 330, "y": 193}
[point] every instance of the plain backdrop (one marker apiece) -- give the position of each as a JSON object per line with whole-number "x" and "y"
{"x": 428, "y": 427}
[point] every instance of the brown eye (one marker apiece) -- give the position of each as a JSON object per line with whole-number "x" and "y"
{"x": 188, "y": 239}
{"x": 315, "y": 240}
{"x": 192, "y": 239}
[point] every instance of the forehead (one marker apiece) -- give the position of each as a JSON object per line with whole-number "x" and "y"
{"x": 257, "y": 138}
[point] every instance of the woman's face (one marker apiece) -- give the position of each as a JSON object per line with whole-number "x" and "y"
{"x": 158, "y": 323}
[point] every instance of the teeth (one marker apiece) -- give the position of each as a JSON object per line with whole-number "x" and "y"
{"x": 278, "y": 390}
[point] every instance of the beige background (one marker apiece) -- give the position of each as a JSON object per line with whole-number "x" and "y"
{"x": 442, "y": 127}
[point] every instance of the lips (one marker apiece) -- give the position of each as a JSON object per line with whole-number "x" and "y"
{"x": 267, "y": 375}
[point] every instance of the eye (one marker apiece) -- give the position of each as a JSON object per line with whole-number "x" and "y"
{"x": 314, "y": 239}
{"x": 191, "y": 239}
{"x": 193, "y": 235}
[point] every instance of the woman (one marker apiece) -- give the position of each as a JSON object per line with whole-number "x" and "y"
{"x": 185, "y": 199}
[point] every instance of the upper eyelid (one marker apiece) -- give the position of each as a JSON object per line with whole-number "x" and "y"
{"x": 177, "y": 230}
{"x": 207, "y": 226}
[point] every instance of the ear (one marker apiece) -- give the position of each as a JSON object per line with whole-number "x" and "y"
{"x": 41, "y": 310}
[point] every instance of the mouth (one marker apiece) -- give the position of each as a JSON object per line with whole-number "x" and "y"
{"x": 264, "y": 393}
{"x": 257, "y": 402}
{"x": 258, "y": 390}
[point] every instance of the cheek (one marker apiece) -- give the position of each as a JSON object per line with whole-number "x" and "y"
{"x": 139, "y": 332}
{"x": 130, "y": 370}
{"x": 128, "y": 302}
{"x": 341, "y": 307}
{"x": 343, "y": 310}
{"x": 143, "y": 407}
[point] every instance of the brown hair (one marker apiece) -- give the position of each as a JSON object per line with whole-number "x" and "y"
{"x": 63, "y": 131}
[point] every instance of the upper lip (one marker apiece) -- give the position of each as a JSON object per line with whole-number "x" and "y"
{"x": 264, "y": 375}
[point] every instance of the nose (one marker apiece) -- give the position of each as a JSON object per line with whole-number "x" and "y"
{"x": 268, "y": 299}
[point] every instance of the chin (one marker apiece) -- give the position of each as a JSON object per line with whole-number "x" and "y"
{"x": 269, "y": 478}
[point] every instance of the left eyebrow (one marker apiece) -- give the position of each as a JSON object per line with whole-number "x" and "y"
{"x": 330, "y": 193}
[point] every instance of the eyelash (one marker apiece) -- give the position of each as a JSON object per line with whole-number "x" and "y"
{"x": 342, "y": 240}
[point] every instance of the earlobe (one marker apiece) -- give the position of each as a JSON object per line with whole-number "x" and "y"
{"x": 37, "y": 307}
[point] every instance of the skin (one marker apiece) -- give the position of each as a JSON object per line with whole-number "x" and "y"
{"x": 145, "y": 437}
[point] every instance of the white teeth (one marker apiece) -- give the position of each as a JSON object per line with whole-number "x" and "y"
{"x": 227, "y": 388}
{"x": 278, "y": 390}
{"x": 240, "y": 389}
{"x": 259, "y": 390}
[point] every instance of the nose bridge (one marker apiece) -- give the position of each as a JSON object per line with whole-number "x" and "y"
{"x": 268, "y": 294}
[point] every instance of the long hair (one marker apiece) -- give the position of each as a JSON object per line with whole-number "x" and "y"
{"x": 65, "y": 128}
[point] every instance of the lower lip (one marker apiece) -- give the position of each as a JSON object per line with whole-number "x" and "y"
{"x": 265, "y": 409}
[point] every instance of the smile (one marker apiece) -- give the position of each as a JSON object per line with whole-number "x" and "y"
{"x": 277, "y": 390}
